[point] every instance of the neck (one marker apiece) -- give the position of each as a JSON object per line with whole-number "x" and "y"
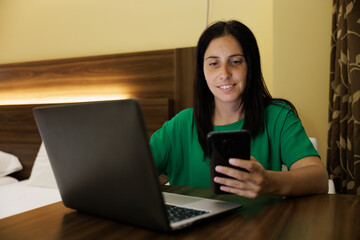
{"x": 227, "y": 114}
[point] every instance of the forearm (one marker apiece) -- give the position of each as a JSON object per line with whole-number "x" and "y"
{"x": 306, "y": 176}
{"x": 306, "y": 180}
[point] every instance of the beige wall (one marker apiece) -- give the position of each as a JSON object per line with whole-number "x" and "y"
{"x": 293, "y": 36}
{"x": 47, "y": 29}
{"x": 302, "y": 34}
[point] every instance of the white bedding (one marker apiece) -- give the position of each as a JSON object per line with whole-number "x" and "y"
{"x": 7, "y": 180}
{"x": 39, "y": 190}
{"x": 21, "y": 197}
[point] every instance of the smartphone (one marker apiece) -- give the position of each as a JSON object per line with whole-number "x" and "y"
{"x": 225, "y": 145}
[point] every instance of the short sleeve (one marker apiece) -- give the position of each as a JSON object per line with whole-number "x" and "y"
{"x": 294, "y": 142}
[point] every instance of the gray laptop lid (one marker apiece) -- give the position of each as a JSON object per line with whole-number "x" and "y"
{"x": 97, "y": 151}
{"x": 102, "y": 162}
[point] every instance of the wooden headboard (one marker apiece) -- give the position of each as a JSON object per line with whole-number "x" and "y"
{"x": 161, "y": 80}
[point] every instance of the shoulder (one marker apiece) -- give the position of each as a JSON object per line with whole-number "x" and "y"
{"x": 181, "y": 120}
{"x": 278, "y": 113}
{"x": 184, "y": 114}
{"x": 175, "y": 129}
{"x": 278, "y": 106}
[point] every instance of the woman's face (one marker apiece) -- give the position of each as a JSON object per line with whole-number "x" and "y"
{"x": 225, "y": 70}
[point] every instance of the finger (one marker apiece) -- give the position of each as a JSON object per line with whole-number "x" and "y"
{"x": 250, "y": 166}
{"x": 240, "y": 188}
{"x": 240, "y": 192}
{"x": 233, "y": 172}
{"x": 239, "y": 179}
{"x": 236, "y": 184}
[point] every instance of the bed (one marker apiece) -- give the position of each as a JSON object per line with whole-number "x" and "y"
{"x": 37, "y": 191}
{"x": 161, "y": 81}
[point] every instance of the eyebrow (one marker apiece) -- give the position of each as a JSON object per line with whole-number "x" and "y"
{"x": 215, "y": 57}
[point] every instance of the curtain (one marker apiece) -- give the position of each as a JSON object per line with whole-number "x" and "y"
{"x": 343, "y": 153}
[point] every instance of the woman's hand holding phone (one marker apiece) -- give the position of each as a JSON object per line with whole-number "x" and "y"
{"x": 250, "y": 183}
{"x": 223, "y": 146}
{"x": 230, "y": 168}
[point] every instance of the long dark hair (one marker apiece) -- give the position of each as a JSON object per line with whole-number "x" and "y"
{"x": 256, "y": 96}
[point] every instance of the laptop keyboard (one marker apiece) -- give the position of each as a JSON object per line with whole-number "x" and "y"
{"x": 176, "y": 213}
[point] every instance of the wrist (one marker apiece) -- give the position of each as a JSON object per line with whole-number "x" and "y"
{"x": 273, "y": 184}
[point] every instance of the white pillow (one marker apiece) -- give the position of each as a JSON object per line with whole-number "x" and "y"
{"x": 8, "y": 164}
{"x": 41, "y": 173}
{"x": 7, "y": 180}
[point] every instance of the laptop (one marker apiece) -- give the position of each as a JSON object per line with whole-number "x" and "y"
{"x": 103, "y": 165}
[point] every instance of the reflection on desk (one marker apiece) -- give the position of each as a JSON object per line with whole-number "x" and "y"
{"x": 317, "y": 217}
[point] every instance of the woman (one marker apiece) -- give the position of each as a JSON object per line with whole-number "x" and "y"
{"x": 230, "y": 94}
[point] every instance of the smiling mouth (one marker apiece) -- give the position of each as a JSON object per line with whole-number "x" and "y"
{"x": 227, "y": 86}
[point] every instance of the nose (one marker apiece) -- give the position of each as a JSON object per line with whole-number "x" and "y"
{"x": 225, "y": 72}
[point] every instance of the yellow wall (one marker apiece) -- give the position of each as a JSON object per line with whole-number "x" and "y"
{"x": 293, "y": 36}
{"x": 50, "y": 29}
{"x": 302, "y": 34}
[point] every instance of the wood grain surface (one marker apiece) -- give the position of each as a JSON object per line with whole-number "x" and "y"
{"x": 320, "y": 217}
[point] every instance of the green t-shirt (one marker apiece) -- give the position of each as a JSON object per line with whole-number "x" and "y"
{"x": 177, "y": 152}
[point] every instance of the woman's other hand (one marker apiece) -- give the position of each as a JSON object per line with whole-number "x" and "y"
{"x": 250, "y": 183}
{"x": 307, "y": 175}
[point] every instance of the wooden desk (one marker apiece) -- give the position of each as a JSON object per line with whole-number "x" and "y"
{"x": 310, "y": 217}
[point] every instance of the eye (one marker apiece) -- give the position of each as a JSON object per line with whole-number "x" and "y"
{"x": 213, "y": 64}
{"x": 236, "y": 61}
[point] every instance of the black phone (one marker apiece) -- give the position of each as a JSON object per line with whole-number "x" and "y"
{"x": 224, "y": 145}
